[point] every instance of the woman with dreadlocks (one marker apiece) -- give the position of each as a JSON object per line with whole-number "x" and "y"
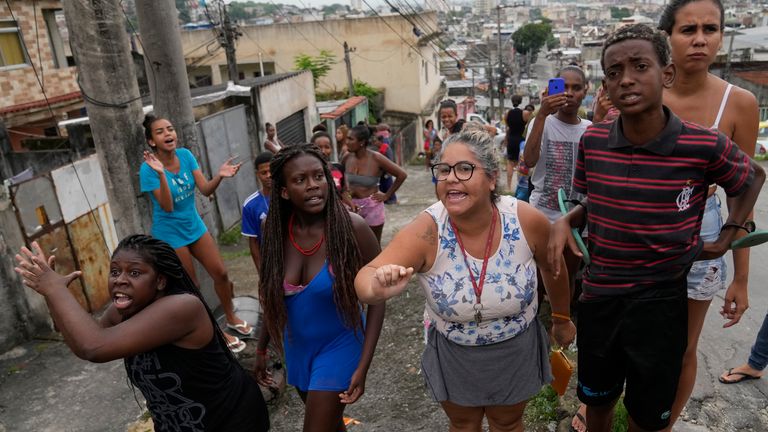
{"x": 160, "y": 325}
{"x": 307, "y": 288}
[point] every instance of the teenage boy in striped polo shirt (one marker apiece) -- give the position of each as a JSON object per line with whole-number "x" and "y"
{"x": 645, "y": 176}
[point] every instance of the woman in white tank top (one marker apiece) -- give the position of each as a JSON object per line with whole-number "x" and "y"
{"x": 476, "y": 255}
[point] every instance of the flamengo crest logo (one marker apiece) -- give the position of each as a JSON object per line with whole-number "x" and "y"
{"x": 684, "y": 198}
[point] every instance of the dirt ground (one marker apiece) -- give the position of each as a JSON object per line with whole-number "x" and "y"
{"x": 395, "y": 397}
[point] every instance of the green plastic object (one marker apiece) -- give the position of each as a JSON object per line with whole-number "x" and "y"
{"x": 752, "y": 239}
{"x": 579, "y": 241}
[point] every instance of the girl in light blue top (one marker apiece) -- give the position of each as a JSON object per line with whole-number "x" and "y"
{"x": 170, "y": 174}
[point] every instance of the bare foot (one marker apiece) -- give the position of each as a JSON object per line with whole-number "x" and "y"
{"x": 739, "y": 374}
{"x": 579, "y": 421}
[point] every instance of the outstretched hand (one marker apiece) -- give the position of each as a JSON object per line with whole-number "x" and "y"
{"x": 37, "y": 272}
{"x": 153, "y": 162}
{"x": 228, "y": 169}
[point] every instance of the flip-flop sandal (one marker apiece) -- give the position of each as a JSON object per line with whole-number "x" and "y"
{"x": 741, "y": 377}
{"x": 754, "y": 236}
{"x": 240, "y": 328}
{"x": 236, "y": 345}
{"x": 561, "y": 200}
{"x": 581, "y": 419}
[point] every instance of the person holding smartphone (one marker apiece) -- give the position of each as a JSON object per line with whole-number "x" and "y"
{"x": 551, "y": 146}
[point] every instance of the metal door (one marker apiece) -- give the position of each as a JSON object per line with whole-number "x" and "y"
{"x": 225, "y": 134}
{"x": 291, "y": 130}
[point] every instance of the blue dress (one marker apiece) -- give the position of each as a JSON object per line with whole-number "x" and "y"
{"x": 321, "y": 353}
{"x": 182, "y": 226}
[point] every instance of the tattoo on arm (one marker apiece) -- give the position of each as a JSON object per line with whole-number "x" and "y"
{"x": 429, "y": 236}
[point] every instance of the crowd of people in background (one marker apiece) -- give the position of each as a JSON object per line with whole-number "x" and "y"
{"x": 642, "y": 176}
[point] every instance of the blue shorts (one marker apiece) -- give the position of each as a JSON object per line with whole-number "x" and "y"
{"x": 708, "y": 277}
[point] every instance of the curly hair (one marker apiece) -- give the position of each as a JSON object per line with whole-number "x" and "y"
{"x": 341, "y": 248}
{"x": 642, "y": 32}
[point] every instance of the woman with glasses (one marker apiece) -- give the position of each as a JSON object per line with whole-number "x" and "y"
{"x": 476, "y": 256}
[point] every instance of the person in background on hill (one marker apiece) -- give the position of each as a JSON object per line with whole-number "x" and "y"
{"x": 169, "y": 175}
{"x": 159, "y": 324}
{"x": 341, "y": 141}
{"x": 272, "y": 143}
{"x": 256, "y": 207}
{"x": 476, "y": 255}
{"x": 384, "y": 137}
{"x": 515, "y": 121}
{"x": 363, "y": 167}
{"x": 323, "y": 142}
{"x": 307, "y": 289}
{"x": 429, "y": 140}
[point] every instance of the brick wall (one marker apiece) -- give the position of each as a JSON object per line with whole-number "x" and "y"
{"x": 19, "y": 85}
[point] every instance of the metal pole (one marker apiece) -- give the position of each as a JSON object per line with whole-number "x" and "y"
{"x": 261, "y": 65}
{"x": 727, "y": 73}
{"x": 501, "y": 64}
{"x": 490, "y": 80}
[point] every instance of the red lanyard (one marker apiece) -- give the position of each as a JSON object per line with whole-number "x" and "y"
{"x": 477, "y": 285}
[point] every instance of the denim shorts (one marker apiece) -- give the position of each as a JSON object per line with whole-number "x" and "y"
{"x": 708, "y": 277}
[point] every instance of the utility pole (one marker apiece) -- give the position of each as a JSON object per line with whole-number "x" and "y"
{"x": 166, "y": 69}
{"x": 501, "y": 64}
{"x": 101, "y": 49}
{"x": 727, "y": 72}
{"x": 348, "y": 62}
{"x": 227, "y": 41}
{"x": 490, "y": 80}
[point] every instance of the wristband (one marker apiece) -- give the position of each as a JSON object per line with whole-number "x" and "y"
{"x": 554, "y": 315}
{"x": 261, "y": 352}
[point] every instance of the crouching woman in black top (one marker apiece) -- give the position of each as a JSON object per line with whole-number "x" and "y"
{"x": 160, "y": 325}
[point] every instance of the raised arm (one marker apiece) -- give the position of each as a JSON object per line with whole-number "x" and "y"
{"x": 163, "y": 193}
{"x": 549, "y": 105}
{"x": 388, "y": 274}
{"x": 207, "y": 187}
{"x": 166, "y": 320}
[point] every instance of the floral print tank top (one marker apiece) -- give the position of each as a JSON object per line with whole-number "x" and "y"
{"x": 509, "y": 295}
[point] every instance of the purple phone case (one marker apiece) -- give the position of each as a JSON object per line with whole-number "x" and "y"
{"x": 556, "y": 86}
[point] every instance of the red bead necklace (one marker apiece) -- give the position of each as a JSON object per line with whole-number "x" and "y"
{"x": 306, "y": 252}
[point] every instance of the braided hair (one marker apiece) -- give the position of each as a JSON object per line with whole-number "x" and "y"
{"x": 341, "y": 247}
{"x": 161, "y": 256}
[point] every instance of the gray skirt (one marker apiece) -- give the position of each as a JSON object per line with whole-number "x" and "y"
{"x": 504, "y": 373}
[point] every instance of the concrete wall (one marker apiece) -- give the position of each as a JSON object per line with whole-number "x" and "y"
{"x": 18, "y": 84}
{"x": 278, "y": 100}
{"x": 382, "y": 58}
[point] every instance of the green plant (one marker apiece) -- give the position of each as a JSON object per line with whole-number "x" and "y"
{"x": 237, "y": 254}
{"x": 319, "y": 65}
{"x": 231, "y": 236}
{"x": 620, "y": 417}
{"x": 542, "y": 407}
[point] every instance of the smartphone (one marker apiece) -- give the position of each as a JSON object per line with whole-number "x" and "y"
{"x": 556, "y": 86}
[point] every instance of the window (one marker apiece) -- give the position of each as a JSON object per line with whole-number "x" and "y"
{"x": 57, "y": 32}
{"x": 11, "y": 50}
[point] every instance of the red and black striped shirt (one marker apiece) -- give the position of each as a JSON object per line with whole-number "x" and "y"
{"x": 646, "y": 202}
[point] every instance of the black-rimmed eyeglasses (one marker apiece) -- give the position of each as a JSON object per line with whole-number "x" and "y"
{"x": 462, "y": 170}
